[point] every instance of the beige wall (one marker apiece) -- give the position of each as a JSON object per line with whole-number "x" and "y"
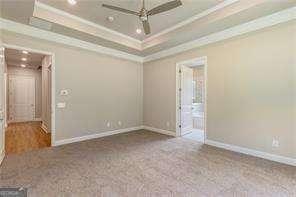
{"x": 14, "y": 70}
{"x": 250, "y": 90}
{"x": 101, "y": 88}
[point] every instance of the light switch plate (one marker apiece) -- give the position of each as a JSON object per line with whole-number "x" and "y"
{"x": 275, "y": 143}
{"x": 61, "y": 105}
{"x": 64, "y": 92}
{"x": 1, "y": 115}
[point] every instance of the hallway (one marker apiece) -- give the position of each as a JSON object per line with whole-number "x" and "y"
{"x": 25, "y": 136}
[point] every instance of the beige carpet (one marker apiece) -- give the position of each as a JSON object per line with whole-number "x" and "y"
{"x": 147, "y": 164}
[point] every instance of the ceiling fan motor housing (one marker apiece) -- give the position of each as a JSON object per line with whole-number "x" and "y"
{"x": 143, "y": 15}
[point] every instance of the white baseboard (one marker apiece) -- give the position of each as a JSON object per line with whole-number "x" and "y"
{"x": 264, "y": 155}
{"x": 162, "y": 131}
{"x": 2, "y": 155}
{"x": 93, "y": 136}
{"x": 37, "y": 119}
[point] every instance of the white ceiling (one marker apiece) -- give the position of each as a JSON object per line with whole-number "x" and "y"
{"x": 127, "y": 24}
{"x": 87, "y": 20}
{"x": 14, "y": 57}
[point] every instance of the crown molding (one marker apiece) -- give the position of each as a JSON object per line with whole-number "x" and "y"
{"x": 191, "y": 19}
{"x": 45, "y": 12}
{"x": 260, "y": 23}
{"x": 263, "y": 22}
{"x": 58, "y": 38}
{"x": 112, "y": 34}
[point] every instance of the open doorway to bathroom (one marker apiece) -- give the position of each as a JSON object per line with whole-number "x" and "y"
{"x": 28, "y": 100}
{"x": 191, "y": 97}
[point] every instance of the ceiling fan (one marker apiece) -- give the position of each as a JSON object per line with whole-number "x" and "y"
{"x": 144, "y": 13}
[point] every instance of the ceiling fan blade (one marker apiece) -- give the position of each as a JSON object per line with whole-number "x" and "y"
{"x": 146, "y": 27}
{"x": 165, "y": 7}
{"x": 120, "y": 9}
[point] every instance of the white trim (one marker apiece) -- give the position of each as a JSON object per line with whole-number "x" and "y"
{"x": 260, "y": 23}
{"x": 53, "y": 100}
{"x": 103, "y": 28}
{"x": 52, "y": 82}
{"x": 162, "y": 131}
{"x": 263, "y": 22}
{"x": 102, "y": 31}
{"x": 192, "y": 19}
{"x": 11, "y": 46}
{"x": 97, "y": 135}
{"x": 264, "y": 155}
{"x": 200, "y": 61}
{"x": 37, "y": 119}
{"x": 2, "y": 155}
{"x": 58, "y": 38}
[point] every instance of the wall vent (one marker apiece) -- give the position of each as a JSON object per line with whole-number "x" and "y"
{"x": 40, "y": 23}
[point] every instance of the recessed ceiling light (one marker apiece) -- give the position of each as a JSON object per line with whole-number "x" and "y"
{"x": 24, "y": 59}
{"x": 72, "y": 2}
{"x": 25, "y": 52}
{"x": 110, "y": 18}
{"x": 23, "y": 65}
{"x": 139, "y": 31}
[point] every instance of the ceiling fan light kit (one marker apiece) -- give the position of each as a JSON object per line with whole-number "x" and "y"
{"x": 143, "y": 14}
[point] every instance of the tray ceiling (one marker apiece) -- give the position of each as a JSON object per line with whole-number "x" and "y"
{"x": 127, "y": 24}
{"x": 87, "y": 20}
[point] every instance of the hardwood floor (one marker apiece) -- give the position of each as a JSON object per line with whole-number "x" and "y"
{"x": 25, "y": 136}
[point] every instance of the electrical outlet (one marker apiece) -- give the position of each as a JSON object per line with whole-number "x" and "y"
{"x": 61, "y": 105}
{"x": 275, "y": 143}
{"x": 119, "y": 123}
{"x": 108, "y": 124}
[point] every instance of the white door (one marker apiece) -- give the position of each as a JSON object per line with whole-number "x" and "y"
{"x": 1, "y": 103}
{"x": 21, "y": 98}
{"x": 186, "y": 99}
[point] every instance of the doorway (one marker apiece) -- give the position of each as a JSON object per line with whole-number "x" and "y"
{"x": 28, "y": 105}
{"x": 191, "y": 99}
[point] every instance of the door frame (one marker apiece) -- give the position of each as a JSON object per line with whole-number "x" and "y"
{"x": 53, "y": 129}
{"x": 23, "y": 76}
{"x": 200, "y": 61}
